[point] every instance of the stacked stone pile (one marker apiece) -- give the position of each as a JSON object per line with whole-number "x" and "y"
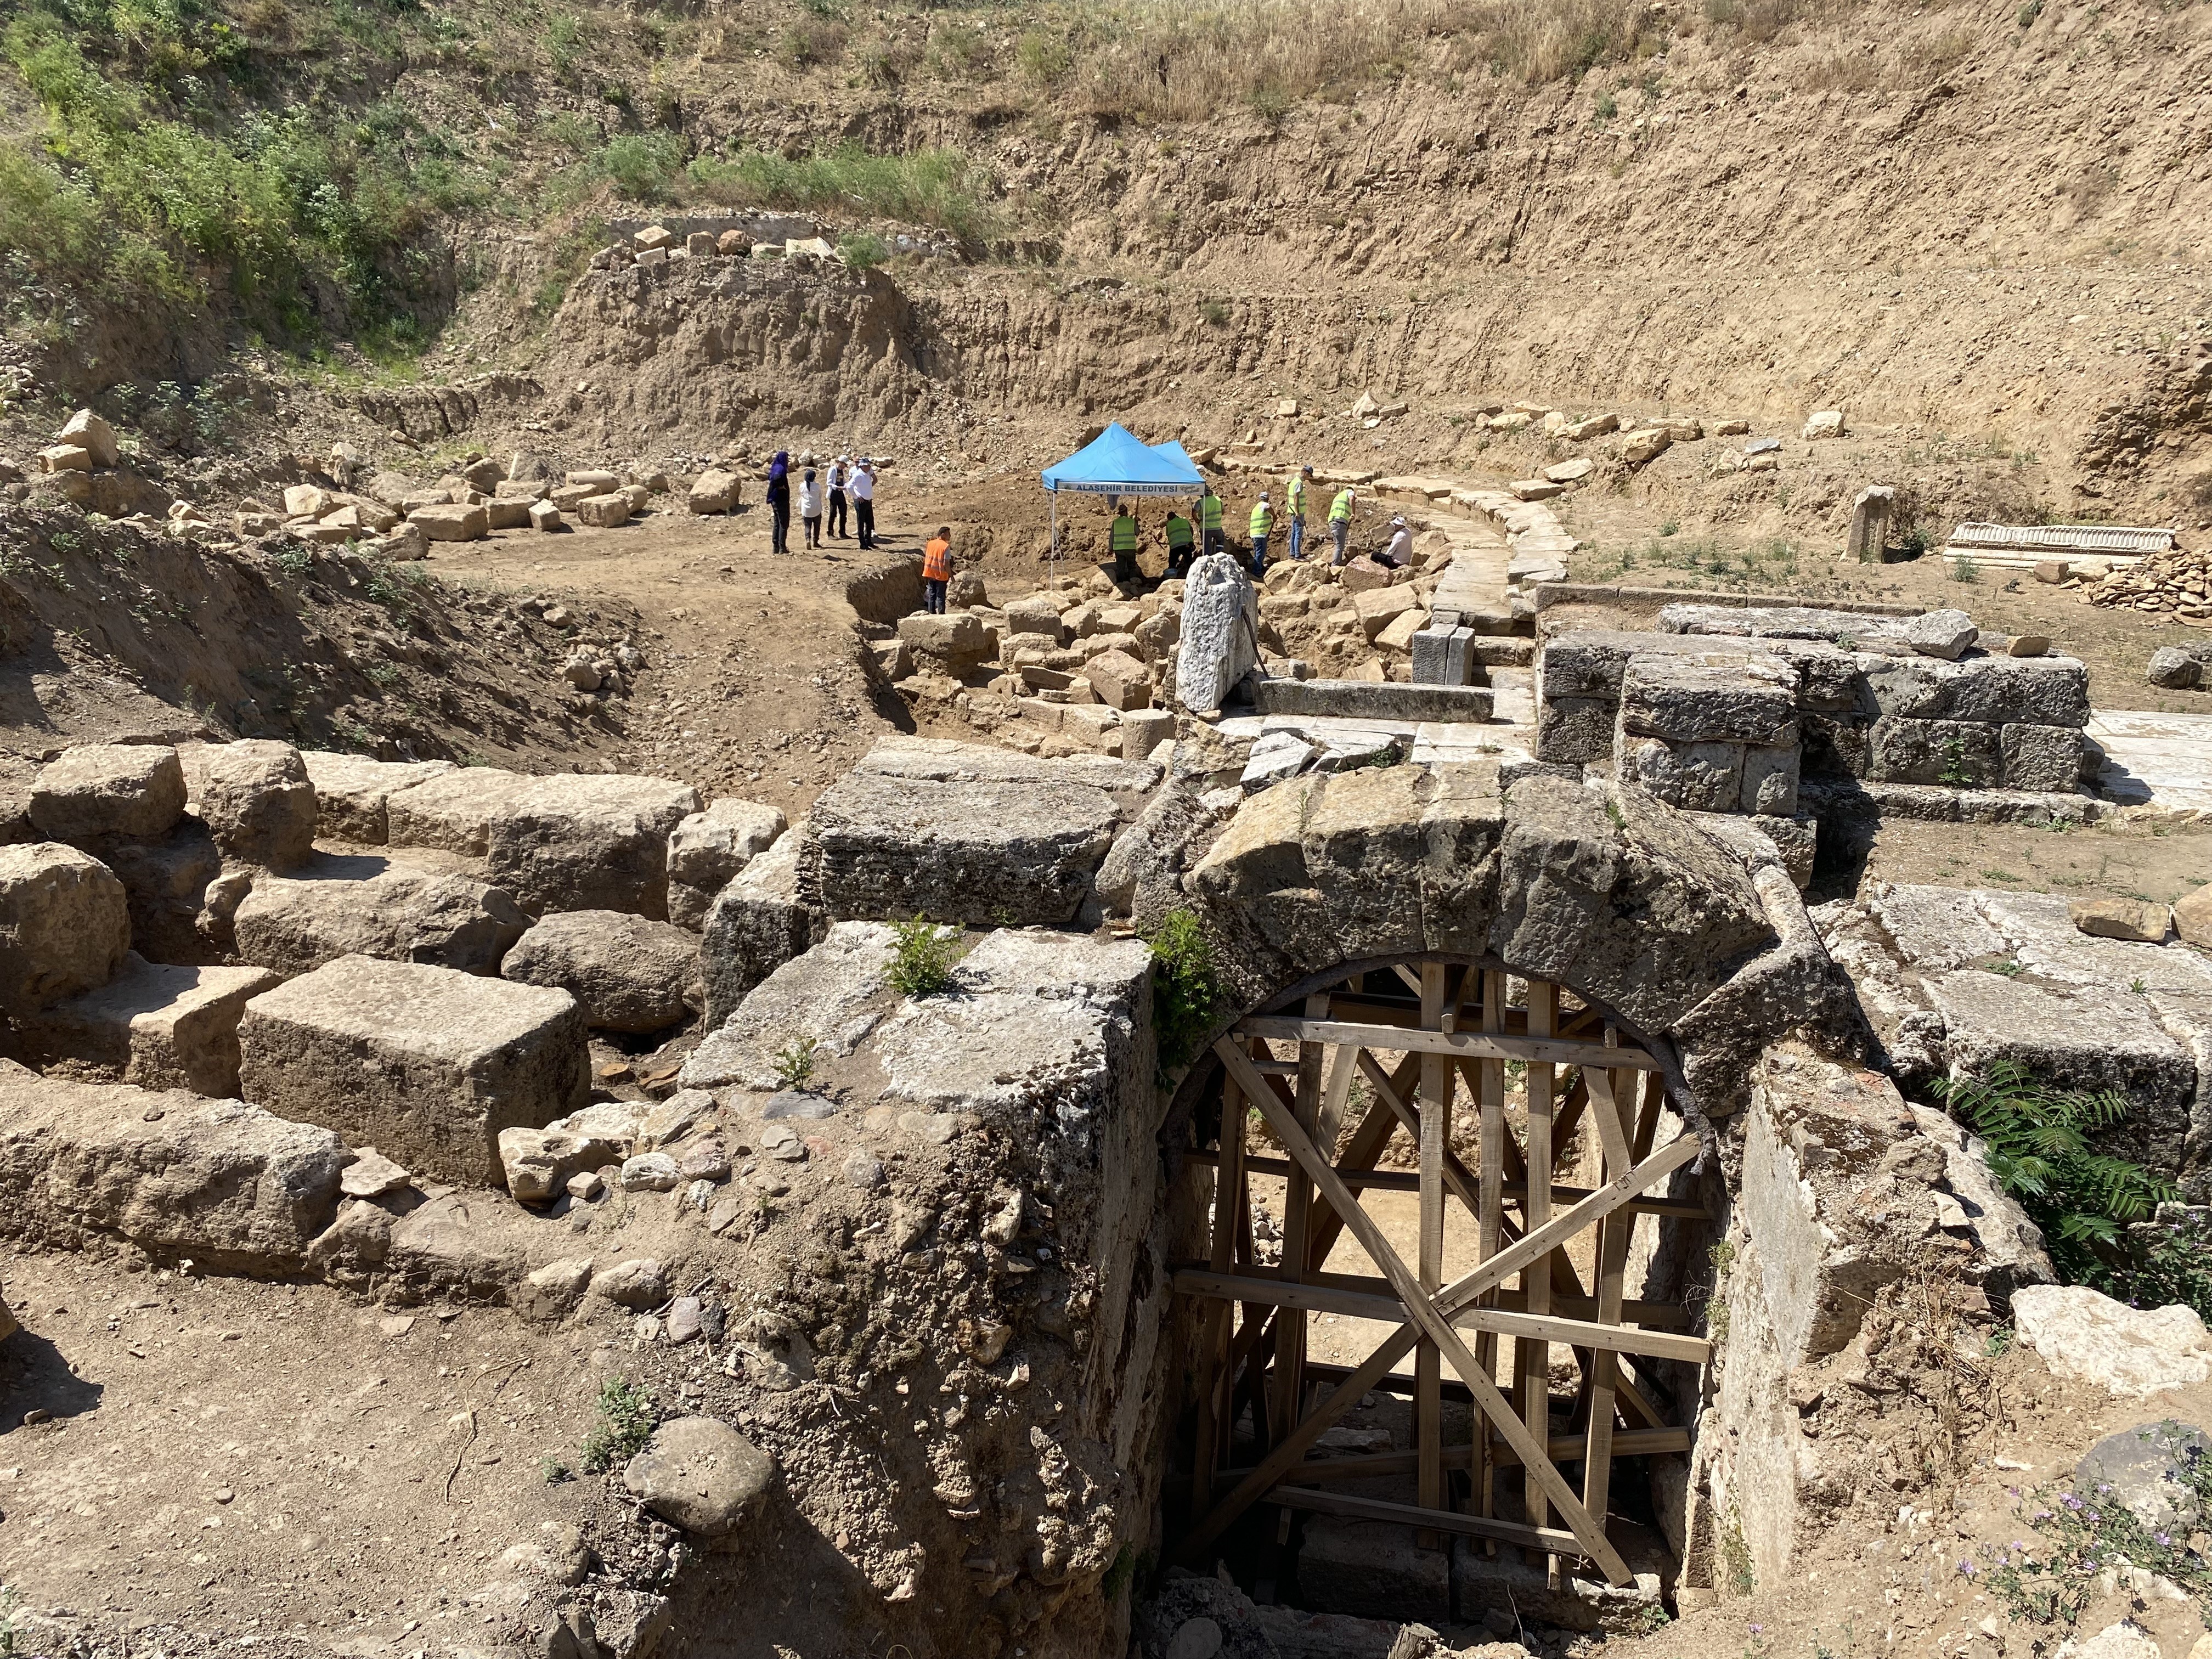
{"x": 2176, "y": 584}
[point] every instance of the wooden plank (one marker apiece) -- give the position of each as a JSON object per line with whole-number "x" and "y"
{"x": 1428, "y": 1364}
{"x": 1563, "y": 1448}
{"x": 1376, "y": 1508}
{"x": 1533, "y": 1356}
{"x": 1336, "y": 1099}
{"x": 1433, "y": 1324}
{"x": 1488, "y": 1086}
{"x": 1611, "y": 1097}
{"x": 1408, "y": 1180}
{"x": 1605, "y": 1112}
{"x": 1387, "y": 1310}
{"x": 1289, "y": 1382}
{"x": 1366, "y": 1144}
{"x": 1286, "y": 1456}
{"x": 1541, "y": 1048}
{"x": 1542, "y": 1240}
{"x": 1214, "y": 1425}
{"x": 1644, "y": 1316}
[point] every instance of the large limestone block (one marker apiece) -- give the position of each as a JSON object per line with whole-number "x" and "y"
{"x": 709, "y": 848}
{"x": 571, "y": 841}
{"x": 631, "y": 974}
{"x": 715, "y": 491}
{"x": 64, "y": 925}
{"x": 451, "y": 811}
{"x": 1220, "y": 632}
{"x": 94, "y": 436}
{"x": 450, "y": 522}
{"x": 100, "y": 789}
{"x": 608, "y": 512}
{"x": 342, "y": 906}
{"x": 234, "y": 1188}
{"x": 1682, "y": 700}
{"x": 756, "y": 923}
{"x": 1006, "y": 854}
{"x": 939, "y": 760}
{"x": 425, "y": 1064}
{"x": 957, "y": 640}
{"x": 2085, "y": 1336}
{"x": 831, "y": 995}
{"x": 158, "y": 1026}
{"x": 1960, "y": 754}
{"x": 258, "y": 802}
{"x": 2045, "y": 757}
{"x": 1997, "y": 691}
{"x": 351, "y": 790}
{"x": 1378, "y": 607}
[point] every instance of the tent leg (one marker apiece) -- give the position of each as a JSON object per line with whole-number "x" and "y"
{"x": 1052, "y": 547}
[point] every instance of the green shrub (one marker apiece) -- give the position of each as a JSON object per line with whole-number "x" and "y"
{"x": 794, "y": 1062}
{"x": 863, "y": 250}
{"x": 2038, "y": 1139}
{"x": 921, "y": 958}
{"x": 644, "y": 166}
{"x": 1186, "y": 994}
{"x": 625, "y": 1422}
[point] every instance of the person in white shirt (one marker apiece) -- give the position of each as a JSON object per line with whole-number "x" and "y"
{"x": 1401, "y": 550}
{"x": 841, "y": 474}
{"x": 864, "y": 501}
{"x": 809, "y": 507}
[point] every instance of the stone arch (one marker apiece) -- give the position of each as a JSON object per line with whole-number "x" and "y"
{"x": 1690, "y": 935}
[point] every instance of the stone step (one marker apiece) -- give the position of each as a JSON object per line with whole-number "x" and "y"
{"x": 1370, "y": 700}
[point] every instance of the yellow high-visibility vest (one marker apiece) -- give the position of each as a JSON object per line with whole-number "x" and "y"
{"x": 1296, "y": 497}
{"x": 1263, "y": 519}
{"x": 1341, "y": 507}
{"x": 1209, "y": 511}
{"x": 1125, "y": 535}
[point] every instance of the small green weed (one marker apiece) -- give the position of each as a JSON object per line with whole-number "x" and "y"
{"x": 794, "y": 1062}
{"x": 1213, "y": 313}
{"x": 626, "y": 1421}
{"x": 554, "y": 1471}
{"x": 863, "y": 250}
{"x": 921, "y": 958}
{"x": 1966, "y": 570}
{"x": 1722, "y": 1257}
{"x": 296, "y": 559}
{"x": 1186, "y": 994}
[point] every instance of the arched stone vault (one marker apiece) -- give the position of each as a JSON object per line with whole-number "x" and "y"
{"x": 1697, "y": 942}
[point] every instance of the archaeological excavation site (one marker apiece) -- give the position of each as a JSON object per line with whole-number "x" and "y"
{"x": 1106, "y": 830}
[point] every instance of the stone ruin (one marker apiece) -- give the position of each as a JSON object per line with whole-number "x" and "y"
{"x": 574, "y": 1044}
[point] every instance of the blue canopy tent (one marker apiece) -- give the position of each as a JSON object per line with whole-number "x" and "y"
{"x": 1119, "y": 463}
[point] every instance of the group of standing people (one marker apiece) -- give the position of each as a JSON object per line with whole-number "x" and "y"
{"x": 1184, "y": 540}
{"x": 848, "y": 481}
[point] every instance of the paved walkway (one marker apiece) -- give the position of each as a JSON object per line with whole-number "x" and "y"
{"x": 2155, "y": 760}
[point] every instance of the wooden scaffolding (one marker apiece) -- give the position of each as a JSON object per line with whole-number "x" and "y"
{"x": 1451, "y": 1028}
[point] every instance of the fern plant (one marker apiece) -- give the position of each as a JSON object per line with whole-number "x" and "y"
{"x": 2039, "y": 1150}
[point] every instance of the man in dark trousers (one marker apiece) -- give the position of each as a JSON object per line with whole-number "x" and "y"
{"x": 864, "y": 501}
{"x": 936, "y": 569}
{"x": 840, "y": 474}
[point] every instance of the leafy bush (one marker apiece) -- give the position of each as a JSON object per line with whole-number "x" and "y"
{"x": 1044, "y": 55}
{"x": 626, "y": 1421}
{"x": 2039, "y": 1151}
{"x": 921, "y": 958}
{"x": 1186, "y": 994}
{"x": 645, "y": 166}
{"x": 794, "y": 1062}
{"x": 863, "y": 250}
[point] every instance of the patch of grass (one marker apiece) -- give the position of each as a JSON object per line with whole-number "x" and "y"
{"x": 1966, "y": 570}
{"x": 1044, "y": 55}
{"x": 1213, "y": 313}
{"x": 926, "y": 186}
{"x": 1722, "y": 1257}
{"x": 921, "y": 958}
{"x": 626, "y": 1420}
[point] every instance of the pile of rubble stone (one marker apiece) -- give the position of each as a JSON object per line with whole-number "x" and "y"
{"x": 2178, "y": 584}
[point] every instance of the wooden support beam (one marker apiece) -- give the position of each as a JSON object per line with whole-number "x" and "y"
{"x": 1430, "y": 1134}
{"x": 1388, "y": 1310}
{"x": 1647, "y": 1315}
{"x": 1406, "y": 1181}
{"x": 1433, "y": 1323}
{"x": 1471, "y": 1526}
{"x": 1541, "y": 1049}
{"x": 1531, "y": 1355}
{"x": 1216, "y": 1391}
{"x": 1563, "y": 1448}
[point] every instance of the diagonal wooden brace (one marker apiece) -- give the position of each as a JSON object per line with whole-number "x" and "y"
{"x": 1434, "y": 1323}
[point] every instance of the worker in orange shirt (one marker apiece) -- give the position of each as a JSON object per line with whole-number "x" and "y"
{"x": 936, "y": 569}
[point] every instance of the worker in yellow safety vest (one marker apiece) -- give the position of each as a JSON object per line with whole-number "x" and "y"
{"x": 1263, "y": 520}
{"x": 1122, "y": 540}
{"x": 1182, "y": 537}
{"x": 1209, "y": 521}
{"x": 1339, "y": 519}
{"x": 1294, "y": 508}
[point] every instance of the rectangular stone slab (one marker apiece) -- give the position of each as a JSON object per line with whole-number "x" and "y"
{"x": 157, "y": 1026}
{"x": 1370, "y": 700}
{"x": 994, "y": 853}
{"x": 427, "y": 1064}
